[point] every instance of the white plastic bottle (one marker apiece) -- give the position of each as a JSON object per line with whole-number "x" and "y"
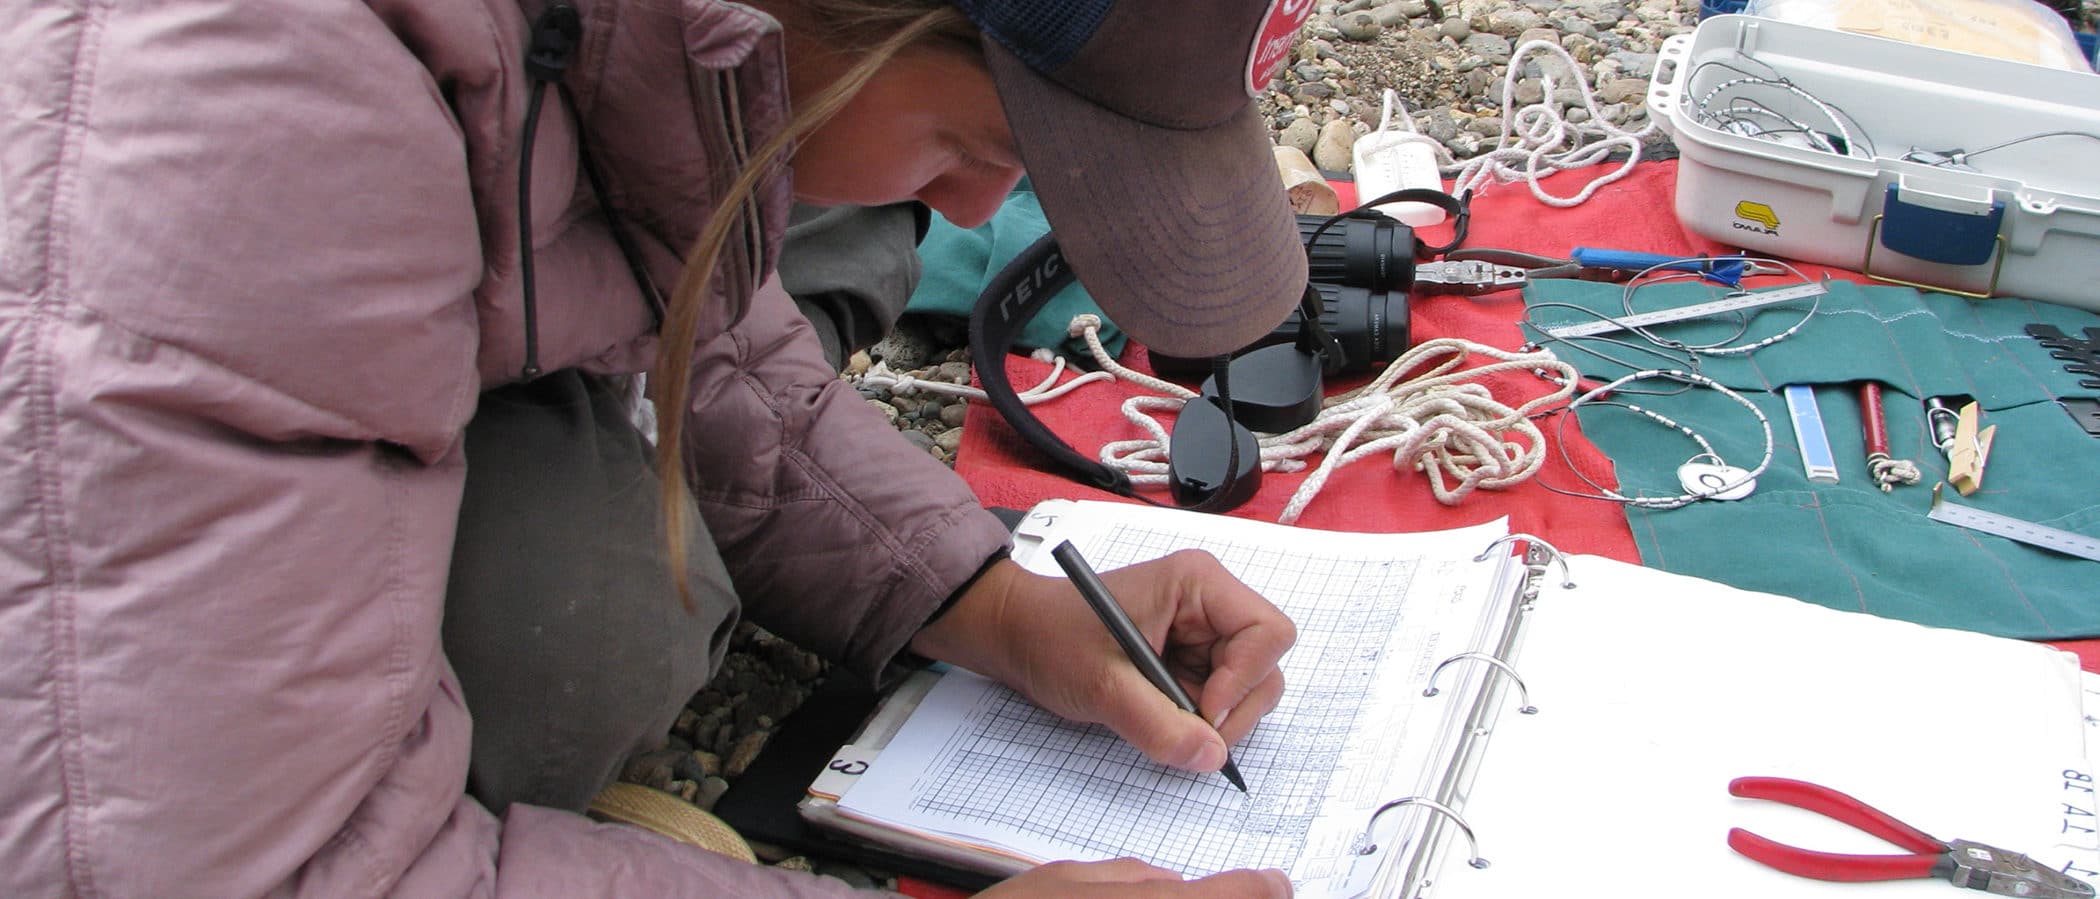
{"x": 1390, "y": 159}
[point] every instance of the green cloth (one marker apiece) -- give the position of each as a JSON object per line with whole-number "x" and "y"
{"x": 1850, "y": 546}
{"x": 959, "y": 262}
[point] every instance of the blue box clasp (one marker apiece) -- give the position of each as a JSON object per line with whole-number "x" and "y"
{"x": 1949, "y": 236}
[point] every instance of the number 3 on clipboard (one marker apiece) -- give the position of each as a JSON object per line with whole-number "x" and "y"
{"x": 848, "y": 767}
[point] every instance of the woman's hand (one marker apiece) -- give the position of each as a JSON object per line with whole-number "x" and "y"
{"x": 1037, "y": 635}
{"x": 1128, "y": 878}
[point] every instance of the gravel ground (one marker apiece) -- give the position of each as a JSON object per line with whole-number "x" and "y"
{"x": 1448, "y": 63}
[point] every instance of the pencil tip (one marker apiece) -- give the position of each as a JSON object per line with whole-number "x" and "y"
{"x": 1232, "y": 773}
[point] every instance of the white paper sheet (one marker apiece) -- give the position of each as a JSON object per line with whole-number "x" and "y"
{"x": 1655, "y": 690}
{"x": 1375, "y": 614}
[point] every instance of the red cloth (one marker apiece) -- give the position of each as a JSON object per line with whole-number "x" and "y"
{"x": 1636, "y": 213}
{"x": 1369, "y": 495}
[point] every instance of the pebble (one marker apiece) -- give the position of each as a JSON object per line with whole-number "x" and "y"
{"x": 710, "y": 792}
{"x": 745, "y": 752}
{"x": 1358, "y": 26}
{"x": 1301, "y": 133}
{"x": 1452, "y": 56}
{"x": 905, "y": 348}
{"x": 1333, "y": 152}
{"x": 710, "y": 763}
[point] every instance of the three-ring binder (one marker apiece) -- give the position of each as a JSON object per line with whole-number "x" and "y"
{"x": 1523, "y": 692}
{"x": 1456, "y": 819}
{"x": 1416, "y": 858}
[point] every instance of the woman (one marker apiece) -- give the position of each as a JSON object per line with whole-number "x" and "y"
{"x": 320, "y": 327}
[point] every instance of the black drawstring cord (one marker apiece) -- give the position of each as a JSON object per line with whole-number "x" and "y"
{"x": 555, "y": 36}
{"x": 532, "y": 328}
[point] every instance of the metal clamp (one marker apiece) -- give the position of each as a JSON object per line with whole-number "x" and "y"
{"x": 1567, "y": 582}
{"x": 1866, "y": 267}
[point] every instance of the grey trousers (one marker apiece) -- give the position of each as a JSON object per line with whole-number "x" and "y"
{"x": 851, "y": 269}
{"x": 561, "y": 618}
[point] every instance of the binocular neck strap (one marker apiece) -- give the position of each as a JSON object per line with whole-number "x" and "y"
{"x": 1020, "y": 290}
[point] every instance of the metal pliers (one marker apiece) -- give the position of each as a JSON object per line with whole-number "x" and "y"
{"x": 1591, "y": 264}
{"x": 1467, "y": 277}
{"x": 1966, "y": 864}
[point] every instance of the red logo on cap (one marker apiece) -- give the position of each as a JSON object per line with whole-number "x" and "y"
{"x": 1272, "y": 42}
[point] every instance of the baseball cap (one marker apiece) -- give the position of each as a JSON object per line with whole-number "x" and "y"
{"x": 1136, "y": 122}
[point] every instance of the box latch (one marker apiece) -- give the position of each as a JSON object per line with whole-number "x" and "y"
{"x": 1942, "y": 229}
{"x": 1953, "y": 236}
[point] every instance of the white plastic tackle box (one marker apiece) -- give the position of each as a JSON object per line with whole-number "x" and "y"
{"x": 1915, "y": 165}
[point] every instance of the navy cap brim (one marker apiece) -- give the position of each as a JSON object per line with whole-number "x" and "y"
{"x": 1185, "y": 237}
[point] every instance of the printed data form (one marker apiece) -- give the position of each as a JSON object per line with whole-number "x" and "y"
{"x": 1376, "y": 614}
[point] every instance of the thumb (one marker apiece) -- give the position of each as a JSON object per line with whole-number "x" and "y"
{"x": 1138, "y": 712}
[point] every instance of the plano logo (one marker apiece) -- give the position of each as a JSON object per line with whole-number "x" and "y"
{"x": 1272, "y": 42}
{"x": 1756, "y": 217}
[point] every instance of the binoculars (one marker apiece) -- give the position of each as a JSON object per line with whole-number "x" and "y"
{"x": 1362, "y": 269}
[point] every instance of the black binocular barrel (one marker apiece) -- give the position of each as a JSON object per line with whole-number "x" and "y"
{"x": 1378, "y": 254}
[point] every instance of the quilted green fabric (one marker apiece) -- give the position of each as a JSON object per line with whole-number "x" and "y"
{"x": 1849, "y": 545}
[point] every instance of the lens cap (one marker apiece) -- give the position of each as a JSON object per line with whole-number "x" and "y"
{"x": 1200, "y": 458}
{"x": 1274, "y": 389}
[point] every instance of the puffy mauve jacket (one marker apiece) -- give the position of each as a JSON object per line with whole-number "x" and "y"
{"x": 258, "y": 260}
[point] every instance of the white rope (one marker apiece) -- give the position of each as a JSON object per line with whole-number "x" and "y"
{"x": 1888, "y": 472}
{"x": 1087, "y": 326}
{"x": 1544, "y": 141}
{"x": 1430, "y": 410}
{"x": 880, "y": 376}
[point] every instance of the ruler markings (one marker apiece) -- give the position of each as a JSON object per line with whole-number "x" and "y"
{"x": 1734, "y": 303}
{"x": 2013, "y": 528}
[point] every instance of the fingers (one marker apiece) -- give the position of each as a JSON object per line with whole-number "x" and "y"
{"x": 1115, "y": 870}
{"x": 1136, "y": 710}
{"x": 1224, "y": 642}
{"x": 1241, "y": 636}
{"x": 1263, "y": 884}
{"x": 1239, "y": 720}
{"x": 1128, "y": 878}
{"x": 1267, "y": 883}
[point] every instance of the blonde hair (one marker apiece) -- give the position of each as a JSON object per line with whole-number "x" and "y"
{"x": 877, "y": 31}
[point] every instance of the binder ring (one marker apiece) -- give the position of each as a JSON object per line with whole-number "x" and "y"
{"x": 1471, "y": 843}
{"x": 1523, "y": 693}
{"x": 1567, "y": 581}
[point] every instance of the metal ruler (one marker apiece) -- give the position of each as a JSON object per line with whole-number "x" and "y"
{"x": 1732, "y": 303}
{"x": 2013, "y": 529}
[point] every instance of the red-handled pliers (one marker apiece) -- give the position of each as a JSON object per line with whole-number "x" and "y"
{"x": 1967, "y": 864}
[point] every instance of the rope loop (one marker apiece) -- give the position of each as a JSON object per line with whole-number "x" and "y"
{"x": 1431, "y": 410}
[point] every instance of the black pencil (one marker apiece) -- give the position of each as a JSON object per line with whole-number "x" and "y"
{"x": 1132, "y": 640}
